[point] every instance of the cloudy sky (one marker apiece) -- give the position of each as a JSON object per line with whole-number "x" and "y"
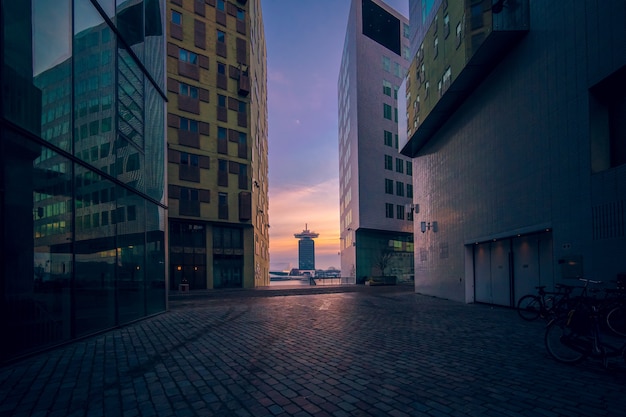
{"x": 304, "y": 44}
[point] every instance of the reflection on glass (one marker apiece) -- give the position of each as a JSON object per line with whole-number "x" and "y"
{"x": 96, "y": 254}
{"x": 155, "y": 258}
{"x": 94, "y": 89}
{"x": 130, "y": 218}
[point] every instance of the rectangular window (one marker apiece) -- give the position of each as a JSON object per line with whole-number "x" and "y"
{"x": 409, "y": 167}
{"x": 220, "y": 5}
{"x": 222, "y": 206}
{"x": 188, "y": 124}
{"x": 399, "y": 188}
{"x": 386, "y": 88}
{"x": 389, "y": 210}
{"x": 387, "y": 111}
{"x": 409, "y": 190}
{"x": 221, "y": 36}
{"x": 386, "y": 64}
{"x": 389, "y": 162}
{"x": 177, "y": 18}
{"x": 388, "y": 186}
{"x": 221, "y": 68}
{"x": 399, "y": 165}
{"x": 400, "y": 212}
{"x": 388, "y": 138}
{"x": 187, "y": 56}
{"x": 188, "y": 90}
{"x": 221, "y": 100}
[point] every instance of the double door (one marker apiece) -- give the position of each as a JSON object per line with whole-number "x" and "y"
{"x": 507, "y": 269}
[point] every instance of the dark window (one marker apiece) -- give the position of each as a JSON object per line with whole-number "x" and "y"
{"x": 400, "y": 212}
{"x": 389, "y": 162}
{"x": 608, "y": 122}
{"x": 388, "y": 186}
{"x": 399, "y": 165}
{"x": 400, "y": 188}
{"x": 388, "y": 138}
{"x": 387, "y": 111}
{"x": 381, "y": 26}
{"x": 389, "y": 210}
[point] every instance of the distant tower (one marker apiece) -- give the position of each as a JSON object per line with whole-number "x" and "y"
{"x": 306, "y": 249}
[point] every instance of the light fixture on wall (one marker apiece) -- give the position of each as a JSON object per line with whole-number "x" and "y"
{"x": 429, "y": 226}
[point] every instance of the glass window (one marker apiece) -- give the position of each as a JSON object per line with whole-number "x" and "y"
{"x": 399, "y": 188}
{"x": 388, "y": 186}
{"x": 220, "y": 5}
{"x": 221, "y": 36}
{"x": 388, "y": 138}
{"x": 177, "y": 18}
{"x": 386, "y": 64}
{"x": 387, "y": 111}
{"x": 389, "y": 210}
{"x": 188, "y": 90}
{"x": 386, "y": 88}
{"x": 399, "y": 165}
{"x": 400, "y": 212}
{"x": 389, "y": 162}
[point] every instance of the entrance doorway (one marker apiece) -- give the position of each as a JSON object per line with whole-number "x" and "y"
{"x": 507, "y": 269}
{"x": 227, "y": 270}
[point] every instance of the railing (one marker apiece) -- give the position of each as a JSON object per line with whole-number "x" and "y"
{"x": 335, "y": 280}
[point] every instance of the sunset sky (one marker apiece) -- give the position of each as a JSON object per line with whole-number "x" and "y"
{"x": 304, "y": 44}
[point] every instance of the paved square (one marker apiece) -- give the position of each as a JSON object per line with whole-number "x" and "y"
{"x": 362, "y": 351}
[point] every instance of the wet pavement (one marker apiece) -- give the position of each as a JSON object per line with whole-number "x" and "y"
{"x": 332, "y": 351}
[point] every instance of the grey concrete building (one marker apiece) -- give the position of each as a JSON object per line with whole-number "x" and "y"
{"x": 516, "y": 126}
{"x": 375, "y": 180}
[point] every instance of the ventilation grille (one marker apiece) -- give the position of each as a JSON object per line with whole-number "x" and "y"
{"x": 609, "y": 220}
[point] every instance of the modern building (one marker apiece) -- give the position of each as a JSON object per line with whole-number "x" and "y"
{"x": 515, "y": 123}
{"x": 376, "y": 187}
{"x": 306, "y": 249}
{"x": 82, "y": 169}
{"x": 217, "y": 144}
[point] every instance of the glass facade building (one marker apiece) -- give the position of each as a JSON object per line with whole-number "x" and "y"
{"x": 82, "y": 168}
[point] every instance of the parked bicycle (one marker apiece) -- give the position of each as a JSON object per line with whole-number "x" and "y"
{"x": 577, "y": 335}
{"x": 545, "y": 304}
{"x": 613, "y": 308}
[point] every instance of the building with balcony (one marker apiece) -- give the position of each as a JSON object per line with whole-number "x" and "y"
{"x": 217, "y": 144}
{"x": 515, "y": 122}
{"x": 375, "y": 181}
{"x": 82, "y": 169}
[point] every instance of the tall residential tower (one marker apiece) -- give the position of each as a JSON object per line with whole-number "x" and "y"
{"x": 217, "y": 144}
{"x": 376, "y": 189}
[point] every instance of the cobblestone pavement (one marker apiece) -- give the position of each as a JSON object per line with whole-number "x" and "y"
{"x": 367, "y": 351}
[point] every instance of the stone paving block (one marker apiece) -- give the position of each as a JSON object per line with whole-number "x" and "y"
{"x": 281, "y": 356}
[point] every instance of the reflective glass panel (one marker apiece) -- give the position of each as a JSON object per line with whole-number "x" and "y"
{"x": 96, "y": 252}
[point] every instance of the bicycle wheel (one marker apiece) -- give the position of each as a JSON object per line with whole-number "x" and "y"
{"x": 529, "y": 307}
{"x": 563, "y": 344}
{"x": 616, "y": 320}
